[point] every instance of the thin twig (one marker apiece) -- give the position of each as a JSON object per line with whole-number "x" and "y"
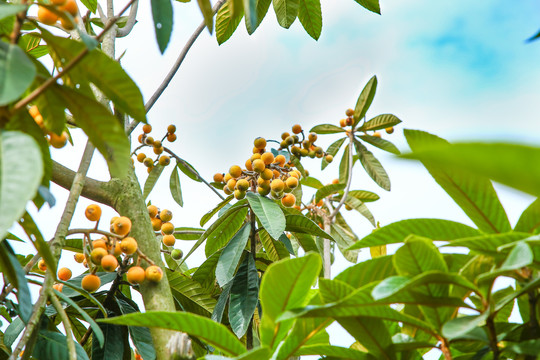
{"x": 92, "y": 231}
{"x": 124, "y": 31}
{"x": 349, "y": 178}
{"x": 16, "y": 33}
{"x": 175, "y": 67}
{"x": 67, "y": 326}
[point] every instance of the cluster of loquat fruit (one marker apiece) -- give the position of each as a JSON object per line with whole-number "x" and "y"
{"x": 56, "y": 141}
{"x": 106, "y": 252}
{"x": 57, "y": 11}
{"x": 156, "y": 145}
{"x": 161, "y": 221}
{"x": 267, "y": 174}
{"x": 349, "y": 120}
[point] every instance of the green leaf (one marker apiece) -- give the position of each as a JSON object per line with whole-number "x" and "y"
{"x": 363, "y": 195}
{"x": 206, "y": 273}
{"x": 141, "y": 337}
{"x": 151, "y": 180}
{"x": 250, "y": 10}
{"x": 460, "y": 326}
{"x": 212, "y": 212}
{"x": 244, "y": 296}
{"x": 475, "y": 195}
{"x": 302, "y": 332}
{"x": 380, "y": 122}
{"x": 334, "y": 352}
{"x": 269, "y": 214}
{"x": 285, "y": 286}
{"x": 53, "y": 345}
{"x": 328, "y": 190}
{"x": 490, "y": 243}
{"x": 327, "y": 129}
{"x": 32, "y": 231}
{"x": 162, "y": 13}
{"x": 222, "y": 230}
{"x": 102, "y": 128}
{"x": 90, "y": 5}
{"x": 188, "y": 170}
{"x": 17, "y": 72}
{"x": 371, "y": 5}
{"x": 223, "y": 300}
{"x": 176, "y": 189}
{"x": 286, "y": 11}
{"x": 435, "y": 229}
{"x": 344, "y": 240}
{"x": 528, "y": 221}
{"x": 20, "y": 176}
{"x": 204, "y": 328}
{"x": 367, "y": 272}
{"x": 301, "y": 224}
{"x": 332, "y": 150}
{"x": 208, "y": 14}
{"x": 344, "y": 165}
{"x": 372, "y": 166}
{"x": 310, "y": 16}
{"x": 306, "y": 242}
{"x": 275, "y": 250}
{"x": 262, "y": 9}
{"x": 361, "y": 208}
{"x": 380, "y": 143}
{"x": 7, "y": 10}
{"x": 364, "y": 100}
{"x": 115, "y": 339}
{"x": 190, "y": 294}
{"x": 188, "y": 233}
{"x": 226, "y": 23}
{"x": 231, "y": 254}
{"x": 97, "y": 333}
{"x": 396, "y": 284}
{"x": 311, "y": 182}
{"x": 520, "y": 256}
{"x": 11, "y": 268}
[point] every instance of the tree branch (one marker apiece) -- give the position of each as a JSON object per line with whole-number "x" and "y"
{"x": 67, "y": 325}
{"x": 124, "y": 31}
{"x": 175, "y": 67}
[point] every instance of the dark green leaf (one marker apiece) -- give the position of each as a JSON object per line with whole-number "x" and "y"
{"x": 380, "y": 122}
{"x": 151, "y": 180}
{"x": 226, "y": 23}
{"x": 17, "y": 72}
{"x": 11, "y": 268}
{"x": 32, "y": 231}
{"x": 333, "y": 150}
{"x": 306, "y": 242}
{"x": 222, "y": 230}
{"x": 162, "y": 13}
{"x": 435, "y": 229}
{"x": 269, "y": 214}
{"x": 113, "y": 349}
{"x": 372, "y": 166}
{"x": 328, "y": 190}
{"x": 212, "y": 212}
{"x": 286, "y": 11}
{"x": 20, "y": 175}
{"x": 364, "y": 100}
{"x": 231, "y": 254}
{"x": 462, "y": 325}
{"x": 380, "y": 143}
{"x": 53, "y": 345}
{"x": 310, "y": 16}
{"x": 244, "y": 296}
{"x": 204, "y": 328}
{"x": 190, "y": 294}
{"x": 176, "y": 189}
{"x": 326, "y": 129}
{"x": 140, "y": 336}
{"x": 223, "y": 300}
{"x": 301, "y": 224}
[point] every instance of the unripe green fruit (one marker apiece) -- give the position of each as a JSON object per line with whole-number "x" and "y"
{"x": 177, "y": 254}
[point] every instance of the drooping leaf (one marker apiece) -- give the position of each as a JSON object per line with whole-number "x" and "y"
{"x": 286, "y": 11}
{"x": 345, "y": 165}
{"x": 310, "y": 16}
{"x": 34, "y": 234}
{"x": 53, "y": 345}
{"x": 188, "y": 170}
{"x": 140, "y": 336}
{"x": 262, "y": 9}
{"x": 380, "y": 143}
{"x": 363, "y": 195}
{"x": 371, "y": 5}
{"x": 311, "y": 182}
{"x": 11, "y": 268}
{"x": 223, "y": 300}
{"x": 344, "y": 241}
{"x": 475, "y": 195}
{"x": 302, "y": 332}
{"x": 460, "y": 326}
{"x": 190, "y": 294}
{"x": 333, "y": 150}
{"x": 176, "y": 189}
{"x": 204, "y": 328}
{"x": 372, "y": 166}
{"x": 244, "y": 296}
{"x": 162, "y": 14}
{"x": 20, "y": 175}
{"x": 206, "y": 273}
{"x": 435, "y": 229}
{"x": 250, "y": 11}
{"x": 17, "y": 72}
{"x": 359, "y": 206}
{"x": 380, "y": 122}
{"x": 528, "y": 221}
{"x": 364, "y": 100}
{"x": 226, "y": 23}
{"x": 212, "y": 212}
{"x": 307, "y": 242}
{"x": 328, "y": 190}
{"x": 231, "y": 254}
{"x": 275, "y": 250}
{"x": 520, "y": 256}
{"x": 302, "y": 224}
{"x": 326, "y": 129}
{"x": 489, "y": 244}
{"x": 219, "y": 235}
{"x": 114, "y": 343}
{"x": 269, "y": 214}
{"x": 151, "y": 180}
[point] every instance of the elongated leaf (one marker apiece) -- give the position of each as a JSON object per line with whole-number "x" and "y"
{"x": 218, "y": 236}
{"x": 307, "y": 242}
{"x": 204, "y": 328}
{"x": 244, "y": 296}
{"x": 262, "y": 9}
{"x": 335, "y": 352}
{"x": 190, "y": 294}
{"x": 285, "y": 286}
{"x": 11, "y": 268}
{"x": 489, "y": 243}
{"x": 302, "y": 332}
{"x": 151, "y": 180}
{"x": 212, "y": 212}
{"x": 226, "y": 23}
{"x": 310, "y": 16}
{"x": 188, "y": 233}
{"x": 53, "y": 345}
{"x": 269, "y": 214}
{"x": 475, "y": 195}
{"x": 361, "y": 208}
{"x": 372, "y": 166}
{"x": 208, "y": 14}
{"x": 275, "y": 250}
{"x": 344, "y": 240}
{"x": 460, "y": 326}
{"x": 380, "y": 143}
{"x": 231, "y": 254}
{"x": 529, "y": 219}
{"x": 333, "y": 150}
{"x": 371, "y": 5}
{"x": 162, "y": 13}
{"x": 520, "y": 256}
{"x": 363, "y": 195}
{"x": 32, "y": 231}
{"x": 435, "y": 229}
{"x": 311, "y": 182}
{"x": 20, "y": 175}
{"x": 188, "y": 170}
{"x": 115, "y": 338}
{"x": 327, "y": 129}
{"x": 286, "y": 11}
{"x": 140, "y": 336}
{"x": 7, "y": 10}
{"x": 223, "y": 300}
{"x": 176, "y": 189}
{"x": 380, "y": 122}
{"x": 17, "y": 72}
{"x": 328, "y": 190}
{"x": 250, "y": 11}
{"x": 102, "y": 128}
{"x": 301, "y": 224}
{"x": 367, "y": 272}
{"x": 206, "y": 273}
{"x": 344, "y": 165}
{"x": 90, "y": 5}
{"x": 364, "y": 100}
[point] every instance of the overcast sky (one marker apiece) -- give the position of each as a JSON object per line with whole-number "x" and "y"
{"x": 459, "y": 69}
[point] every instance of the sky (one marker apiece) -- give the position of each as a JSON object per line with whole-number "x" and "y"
{"x": 459, "y": 69}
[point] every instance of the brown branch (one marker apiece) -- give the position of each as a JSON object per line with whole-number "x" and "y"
{"x": 16, "y": 33}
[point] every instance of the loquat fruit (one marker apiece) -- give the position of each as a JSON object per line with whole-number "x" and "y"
{"x": 122, "y": 226}
{"x": 141, "y": 157}
{"x": 58, "y": 141}
{"x": 109, "y": 263}
{"x": 349, "y": 121}
{"x": 349, "y": 112}
{"x": 255, "y": 156}
{"x": 389, "y": 130}
{"x": 71, "y": 7}
{"x": 343, "y": 122}
{"x": 156, "y": 224}
{"x": 239, "y": 195}
{"x": 297, "y": 129}
{"x": 231, "y": 184}
{"x": 97, "y": 254}
{"x": 267, "y": 174}
{"x": 117, "y": 251}
{"x": 157, "y": 144}
{"x": 154, "y": 273}
{"x": 164, "y": 160}
{"x": 288, "y": 200}
{"x": 167, "y": 228}
{"x": 168, "y": 240}
{"x": 376, "y": 134}
{"x": 149, "y": 140}
{"x": 148, "y": 162}
{"x": 312, "y": 137}
{"x": 227, "y": 177}
{"x": 171, "y": 129}
{"x": 147, "y": 128}
{"x": 259, "y": 143}
{"x": 249, "y": 166}
{"x": 93, "y": 212}
{"x": 171, "y": 137}
{"x": 64, "y": 274}
{"x": 67, "y": 24}
{"x": 277, "y": 185}
{"x": 152, "y": 210}
{"x": 329, "y": 158}
{"x": 280, "y": 159}
{"x": 46, "y": 16}
{"x": 335, "y": 181}
{"x": 58, "y": 287}
{"x": 135, "y": 275}
{"x": 267, "y": 158}
{"x": 263, "y": 191}
{"x": 33, "y": 111}
{"x": 258, "y": 165}
{"x": 227, "y": 191}
{"x": 79, "y": 257}
{"x": 291, "y": 182}
{"x": 218, "y": 177}
{"x": 128, "y": 245}
{"x": 99, "y": 243}
{"x": 235, "y": 171}
{"x": 242, "y": 185}
{"x": 140, "y": 138}
{"x": 285, "y": 135}
{"x": 158, "y": 150}
{"x": 41, "y": 265}
{"x": 91, "y": 282}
